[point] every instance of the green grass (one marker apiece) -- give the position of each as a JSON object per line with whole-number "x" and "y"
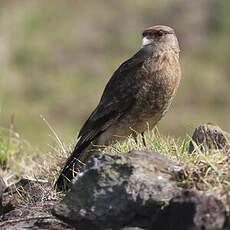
{"x": 19, "y": 159}
{"x": 203, "y": 171}
{"x": 7, "y": 147}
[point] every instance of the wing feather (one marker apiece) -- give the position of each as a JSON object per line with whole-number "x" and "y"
{"x": 118, "y": 96}
{"x": 117, "y": 99}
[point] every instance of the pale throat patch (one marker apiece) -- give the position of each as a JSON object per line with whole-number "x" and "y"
{"x": 146, "y": 41}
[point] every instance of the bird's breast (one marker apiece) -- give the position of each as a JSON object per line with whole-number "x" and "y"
{"x": 160, "y": 77}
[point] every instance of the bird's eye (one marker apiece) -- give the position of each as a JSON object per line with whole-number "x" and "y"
{"x": 147, "y": 33}
{"x": 159, "y": 33}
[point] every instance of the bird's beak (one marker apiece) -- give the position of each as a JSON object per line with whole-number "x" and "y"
{"x": 146, "y": 41}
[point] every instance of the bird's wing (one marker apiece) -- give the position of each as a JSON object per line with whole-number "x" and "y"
{"x": 118, "y": 97}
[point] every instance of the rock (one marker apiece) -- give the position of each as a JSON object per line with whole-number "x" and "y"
{"x": 24, "y": 192}
{"x": 34, "y": 217}
{"x": 212, "y": 136}
{"x": 27, "y": 205}
{"x": 191, "y": 211}
{"x": 115, "y": 191}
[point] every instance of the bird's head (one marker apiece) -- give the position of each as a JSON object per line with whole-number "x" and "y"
{"x": 160, "y": 36}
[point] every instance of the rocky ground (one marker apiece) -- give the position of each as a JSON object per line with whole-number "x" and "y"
{"x": 135, "y": 190}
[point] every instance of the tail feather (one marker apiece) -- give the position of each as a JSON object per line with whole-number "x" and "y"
{"x": 74, "y": 161}
{"x": 68, "y": 172}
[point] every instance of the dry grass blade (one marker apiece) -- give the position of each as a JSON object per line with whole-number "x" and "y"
{"x": 62, "y": 146}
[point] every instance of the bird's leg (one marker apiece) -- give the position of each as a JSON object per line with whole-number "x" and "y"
{"x": 143, "y": 139}
{"x": 135, "y": 138}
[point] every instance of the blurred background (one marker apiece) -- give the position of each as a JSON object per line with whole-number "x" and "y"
{"x": 56, "y": 57}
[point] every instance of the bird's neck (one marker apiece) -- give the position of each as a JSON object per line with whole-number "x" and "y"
{"x": 162, "y": 49}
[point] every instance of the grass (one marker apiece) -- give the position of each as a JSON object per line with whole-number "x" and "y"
{"x": 203, "y": 171}
{"x": 206, "y": 172}
{"x": 19, "y": 159}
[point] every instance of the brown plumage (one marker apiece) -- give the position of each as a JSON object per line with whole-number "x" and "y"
{"x": 135, "y": 98}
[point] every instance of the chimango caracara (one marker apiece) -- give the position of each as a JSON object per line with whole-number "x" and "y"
{"x": 136, "y": 97}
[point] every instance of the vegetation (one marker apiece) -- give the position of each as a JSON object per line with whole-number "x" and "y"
{"x": 56, "y": 59}
{"x": 203, "y": 171}
{"x": 19, "y": 159}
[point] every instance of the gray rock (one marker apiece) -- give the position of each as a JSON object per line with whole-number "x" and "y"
{"x": 24, "y": 192}
{"x": 34, "y": 217}
{"x": 27, "y": 205}
{"x": 210, "y": 136}
{"x": 115, "y": 191}
{"x": 191, "y": 211}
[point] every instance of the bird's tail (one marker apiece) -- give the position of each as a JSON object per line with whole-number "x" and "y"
{"x": 72, "y": 166}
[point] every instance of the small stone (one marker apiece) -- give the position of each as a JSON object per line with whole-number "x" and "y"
{"x": 25, "y": 191}
{"x": 210, "y": 136}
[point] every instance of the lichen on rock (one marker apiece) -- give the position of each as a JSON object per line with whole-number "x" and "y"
{"x": 115, "y": 190}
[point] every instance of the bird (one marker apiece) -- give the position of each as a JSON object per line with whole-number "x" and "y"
{"x": 135, "y": 98}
